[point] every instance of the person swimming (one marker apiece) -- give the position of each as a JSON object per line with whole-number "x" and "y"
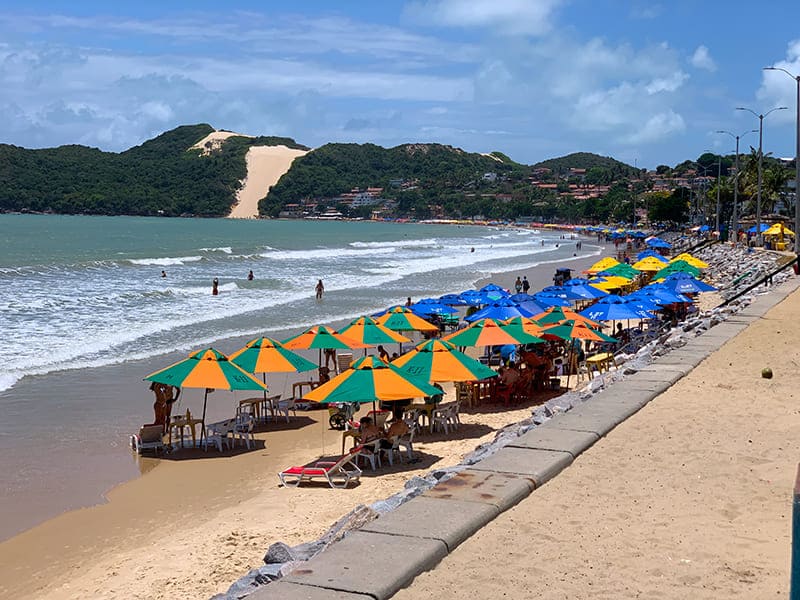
{"x": 215, "y": 287}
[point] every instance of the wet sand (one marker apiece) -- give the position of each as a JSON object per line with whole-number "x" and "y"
{"x": 195, "y": 521}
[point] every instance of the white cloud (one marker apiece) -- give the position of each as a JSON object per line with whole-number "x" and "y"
{"x": 777, "y": 88}
{"x": 666, "y": 84}
{"x": 701, "y": 59}
{"x": 526, "y": 17}
{"x": 658, "y": 127}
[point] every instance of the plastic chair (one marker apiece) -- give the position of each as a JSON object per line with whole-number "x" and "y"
{"x": 284, "y": 406}
{"x": 243, "y": 429}
{"x": 403, "y": 441}
{"x": 370, "y": 451}
{"x": 150, "y": 437}
{"x": 217, "y": 434}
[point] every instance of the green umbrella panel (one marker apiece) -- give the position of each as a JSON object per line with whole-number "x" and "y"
{"x": 679, "y": 266}
{"x": 440, "y": 361}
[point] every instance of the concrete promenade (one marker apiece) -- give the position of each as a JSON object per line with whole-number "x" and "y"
{"x": 385, "y": 556}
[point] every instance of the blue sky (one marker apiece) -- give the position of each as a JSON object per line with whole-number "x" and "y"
{"x": 644, "y": 81}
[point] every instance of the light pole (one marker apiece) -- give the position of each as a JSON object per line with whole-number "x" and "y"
{"x": 796, "y": 162}
{"x": 735, "y": 218}
{"x": 760, "y": 163}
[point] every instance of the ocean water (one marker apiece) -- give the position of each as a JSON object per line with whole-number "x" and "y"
{"x": 85, "y": 315}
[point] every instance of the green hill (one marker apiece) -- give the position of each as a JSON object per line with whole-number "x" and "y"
{"x": 158, "y": 177}
{"x": 431, "y": 169}
{"x": 586, "y": 160}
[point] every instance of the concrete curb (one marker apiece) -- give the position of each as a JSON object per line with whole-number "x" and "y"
{"x": 385, "y": 556}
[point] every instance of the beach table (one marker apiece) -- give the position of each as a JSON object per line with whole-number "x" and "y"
{"x": 179, "y": 425}
{"x": 600, "y": 362}
{"x": 260, "y": 405}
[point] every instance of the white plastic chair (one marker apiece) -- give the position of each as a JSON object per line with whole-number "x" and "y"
{"x": 286, "y": 405}
{"x": 441, "y": 419}
{"x": 217, "y": 434}
{"x": 243, "y": 429}
{"x": 454, "y": 419}
{"x": 403, "y": 441}
{"x": 372, "y": 452}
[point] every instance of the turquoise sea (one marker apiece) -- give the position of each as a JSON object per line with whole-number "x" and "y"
{"x": 84, "y": 308}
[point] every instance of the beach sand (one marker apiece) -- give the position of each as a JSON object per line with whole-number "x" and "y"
{"x": 689, "y": 498}
{"x": 265, "y": 166}
{"x": 188, "y": 527}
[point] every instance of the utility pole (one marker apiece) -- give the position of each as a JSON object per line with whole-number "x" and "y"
{"x": 719, "y": 173}
{"x": 735, "y": 217}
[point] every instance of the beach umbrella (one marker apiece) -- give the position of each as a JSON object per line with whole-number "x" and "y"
{"x": 488, "y": 332}
{"x": 322, "y": 338}
{"x": 602, "y": 265}
{"x": 692, "y": 260}
{"x": 614, "y": 308}
{"x": 266, "y": 355}
{"x": 439, "y": 361}
{"x": 473, "y": 298}
{"x": 499, "y": 311}
{"x": 493, "y": 291}
{"x": 653, "y": 254}
{"x": 621, "y": 270}
{"x": 526, "y": 324}
{"x": 452, "y": 300}
{"x": 753, "y": 228}
{"x": 367, "y": 331}
{"x": 662, "y": 294}
{"x": 369, "y": 379}
{"x": 561, "y": 291}
{"x": 521, "y": 297}
{"x": 572, "y": 329}
{"x": 430, "y": 306}
{"x": 558, "y": 314}
{"x": 658, "y": 243}
{"x": 683, "y": 283}
{"x": 584, "y": 291}
{"x": 208, "y": 369}
{"x": 648, "y": 263}
{"x": 547, "y": 300}
{"x": 401, "y": 318}
{"x": 779, "y": 229}
{"x": 678, "y": 266}
{"x": 612, "y": 282}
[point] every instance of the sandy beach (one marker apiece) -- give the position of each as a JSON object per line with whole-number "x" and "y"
{"x": 689, "y": 498}
{"x": 195, "y": 522}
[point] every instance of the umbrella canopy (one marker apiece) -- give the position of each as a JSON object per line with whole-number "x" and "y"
{"x": 683, "y": 283}
{"x": 692, "y": 260}
{"x": 678, "y": 266}
{"x": 322, "y": 338}
{"x": 265, "y": 355}
{"x": 571, "y": 330}
{"x": 612, "y": 282}
{"x": 648, "y": 263}
{"x": 473, "y": 298}
{"x": 487, "y": 332}
{"x": 207, "y": 368}
{"x": 558, "y": 314}
{"x": 615, "y": 308}
{"x": 586, "y": 291}
{"x": 452, "y": 300}
{"x": 370, "y": 379}
{"x": 499, "y": 311}
{"x": 779, "y": 229}
{"x": 653, "y": 254}
{"x": 547, "y": 300}
{"x": 661, "y": 294}
{"x": 562, "y": 291}
{"x": 658, "y": 243}
{"x": 431, "y": 306}
{"x": 440, "y": 361}
{"x": 367, "y": 331}
{"x": 401, "y": 318}
{"x": 622, "y": 270}
{"x": 527, "y": 324}
{"x": 602, "y": 265}
{"x": 753, "y": 228}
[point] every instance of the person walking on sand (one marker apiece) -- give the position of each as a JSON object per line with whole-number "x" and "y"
{"x": 319, "y": 289}
{"x": 250, "y": 275}
{"x": 525, "y": 284}
{"x": 518, "y": 285}
{"x": 215, "y": 287}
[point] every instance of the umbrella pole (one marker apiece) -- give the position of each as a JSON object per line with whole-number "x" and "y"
{"x": 264, "y": 378}
{"x": 203, "y": 420}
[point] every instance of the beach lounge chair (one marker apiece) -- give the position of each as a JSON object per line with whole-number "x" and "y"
{"x": 338, "y": 474}
{"x": 150, "y": 437}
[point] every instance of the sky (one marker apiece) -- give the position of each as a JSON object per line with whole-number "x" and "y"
{"x": 646, "y": 82}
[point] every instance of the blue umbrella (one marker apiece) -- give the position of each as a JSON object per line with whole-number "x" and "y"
{"x": 683, "y": 283}
{"x": 753, "y": 228}
{"x": 452, "y": 300}
{"x": 645, "y": 301}
{"x": 562, "y": 292}
{"x": 534, "y": 307}
{"x": 704, "y": 228}
{"x": 664, "y": 294}
{"x": 499, "y": 311}
{"x": 473, "y": 298}
{"x": 658, "y": 243}
{"x": 521, "y": 297}
{"x": 548, "y": 300}
{"x": 492, "y": 287}
{"x": 429, "y": 306}
{"x": 586, "y": 292}
{"x": 615, "y": 308}
{"x": 653, "y": 253}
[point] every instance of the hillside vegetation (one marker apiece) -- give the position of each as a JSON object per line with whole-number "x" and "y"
{"x": 159, "y": 177}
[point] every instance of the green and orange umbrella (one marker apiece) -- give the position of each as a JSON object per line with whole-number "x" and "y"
{"x": 557, "y": 314}
{"x": 322, "y": 338}
{"x": 526, "y": 325}
{"x": 367, "y": 331}
{"x": 439, "y": 361}
{"x": 209, "y": 369}
{"x": 574, "y": 329}
{"x": 404, "y": 319}
{"x": 488, "y": 332}
{"x": 369, "y": 379}
{"x": 266, "y": 355}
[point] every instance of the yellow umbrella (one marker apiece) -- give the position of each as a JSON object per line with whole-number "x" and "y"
{"x": 692, "y": 260}
{"x": 779, "y": 229}
{"x": 602, "y": 265}
{"x": 613, "y": 282}
{"x": 649, "y": 263}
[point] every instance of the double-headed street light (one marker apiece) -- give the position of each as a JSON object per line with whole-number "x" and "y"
{"x": 760, "y": 162}
{"x": 796, "y": 162}
{"x": 735, "y": 218}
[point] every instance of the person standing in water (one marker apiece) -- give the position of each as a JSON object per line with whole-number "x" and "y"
{"x": 163, "y": 273}
{"x": 250, "y": 275}
{"x": 215, "y": 287}
{"x": 319, "y": 289}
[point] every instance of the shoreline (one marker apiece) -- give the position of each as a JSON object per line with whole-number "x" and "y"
{"x": 173, "y": 479}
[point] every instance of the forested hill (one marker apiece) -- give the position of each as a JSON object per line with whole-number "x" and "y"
{"x": 586, "y": 160}
{"x": 159, "y": 177}
{"x": 433, "y": 169}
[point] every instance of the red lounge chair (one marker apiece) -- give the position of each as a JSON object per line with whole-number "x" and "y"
{"x": 338, "y": 474}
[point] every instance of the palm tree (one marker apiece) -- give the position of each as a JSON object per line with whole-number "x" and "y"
{"x": 773, "y": 184}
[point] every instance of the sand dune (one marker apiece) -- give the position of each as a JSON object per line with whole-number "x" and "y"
{"x": 213, "y": 141}
{"x": 265, "y": 166}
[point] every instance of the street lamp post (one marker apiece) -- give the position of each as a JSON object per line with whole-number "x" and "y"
{"x": 735, "y": 217}
{"x": 796, "y": 161}
{"x": 760, "y": 163}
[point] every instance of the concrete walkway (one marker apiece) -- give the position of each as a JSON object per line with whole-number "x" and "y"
{"x": 386, "y": 555}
